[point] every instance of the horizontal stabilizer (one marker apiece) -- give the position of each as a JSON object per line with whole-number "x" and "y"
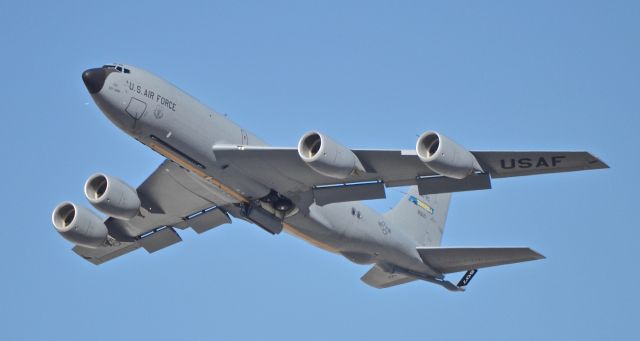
{"x": 378, "y": 278}
{"x": 455, "y": 259}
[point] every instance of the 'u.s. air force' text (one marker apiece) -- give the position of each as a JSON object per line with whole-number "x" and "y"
{"x": 527, "y": 162}
{"x": 137, "y": 88}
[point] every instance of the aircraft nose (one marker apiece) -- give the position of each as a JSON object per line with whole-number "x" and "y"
{"x": 94, "y": 79}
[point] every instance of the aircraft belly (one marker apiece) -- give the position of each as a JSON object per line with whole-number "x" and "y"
{"x": 355, "y": 236}
{"x": 315, "y": 231}
{"x": 364, "y": 237}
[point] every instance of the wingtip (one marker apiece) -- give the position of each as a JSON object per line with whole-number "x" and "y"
{"x": 597, "y": 163}
{"x": 535, "y": 255}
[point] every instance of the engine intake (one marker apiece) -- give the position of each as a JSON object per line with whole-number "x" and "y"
{"x": 445, "y": 157}
{"x": 112, "y": 196}
{"x": 79, "y": 225}
{"x": 328, "y": 157}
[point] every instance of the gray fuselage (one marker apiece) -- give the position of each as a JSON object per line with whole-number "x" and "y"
{"x": 179, "y": 127}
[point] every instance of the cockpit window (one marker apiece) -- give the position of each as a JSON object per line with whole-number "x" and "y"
{"x": 118, "y": 68}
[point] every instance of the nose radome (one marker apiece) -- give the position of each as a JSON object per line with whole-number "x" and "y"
{"x": 94, "y": 79}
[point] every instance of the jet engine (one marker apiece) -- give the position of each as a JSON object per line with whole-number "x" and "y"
{"x": 328, "y": 157}
{"x": 445, "y": 157}
{"x": 112, "y": 196}
{"x": 79, "y": 225}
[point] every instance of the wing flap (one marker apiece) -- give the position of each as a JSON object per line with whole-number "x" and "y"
{"x": 455, "y": 259}
{"x": 207, "y": 220}
{"x": 349, "y": 192}
{"x": 159, "y": 239}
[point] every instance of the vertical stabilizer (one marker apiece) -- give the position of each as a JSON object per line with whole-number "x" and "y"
{"x": 421, "y": 216}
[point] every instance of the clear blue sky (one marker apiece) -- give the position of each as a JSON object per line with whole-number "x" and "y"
{"x": 490, "y": 74}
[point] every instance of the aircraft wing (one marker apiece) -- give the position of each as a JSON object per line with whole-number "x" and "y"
{"x": 283, "y": 170}
{"x": 102, "y": 254}
{"x": 509, "y": 164}
{"x": 171, "y": 198}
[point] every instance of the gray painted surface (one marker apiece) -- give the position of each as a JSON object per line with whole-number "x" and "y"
{"x": 214, "y": 162}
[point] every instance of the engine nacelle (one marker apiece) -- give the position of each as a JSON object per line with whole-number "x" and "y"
{"x": 79, "y": 225}
{"x": 112, "y": 196}
{"x": 328, "y": 157}
{"x": 445, "y": 157}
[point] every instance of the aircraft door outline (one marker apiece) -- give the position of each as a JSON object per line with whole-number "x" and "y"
{"x": 136, "y": 108}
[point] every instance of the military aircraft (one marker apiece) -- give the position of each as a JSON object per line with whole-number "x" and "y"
{"x": 215, "y": 169}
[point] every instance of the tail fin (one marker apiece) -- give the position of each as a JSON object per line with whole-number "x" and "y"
{"x": 421, "y": 216}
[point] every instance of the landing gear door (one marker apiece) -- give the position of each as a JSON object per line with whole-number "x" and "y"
{"x": 136, "y": 108}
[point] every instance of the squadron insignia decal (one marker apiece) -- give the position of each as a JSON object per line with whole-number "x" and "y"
{"x": 421, "y": 204}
